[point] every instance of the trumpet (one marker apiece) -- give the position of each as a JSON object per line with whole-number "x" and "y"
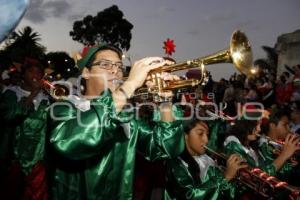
{"x": 278, "y": 146}
{"x": 220, "y": 115}
{"x": 239, "y": 53}
{"x": 256, "y": 179}
{"x": 56, "y": 91}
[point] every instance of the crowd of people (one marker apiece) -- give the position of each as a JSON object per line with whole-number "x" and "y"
{"x": 92, "y": 142}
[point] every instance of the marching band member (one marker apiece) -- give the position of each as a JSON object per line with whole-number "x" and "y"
{"x": 195, "y": 175}
{"x": 24, "y": 112}
{"x": 241, "y": 140}
{"x": 276, "y": 129}
{"x": 93, "y": 140}
{"x": 241, "y": 137}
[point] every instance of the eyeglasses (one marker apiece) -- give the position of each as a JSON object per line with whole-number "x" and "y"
{"x": 108, "y": 65}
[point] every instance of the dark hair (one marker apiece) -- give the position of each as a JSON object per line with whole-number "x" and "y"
{"x": 259, "y": 80}
{"x": 241, "y": 129}
{"x": 296, "y": 105}
{"x": 90, "y": 62}
{"x": 286, "y": 74}
{"x": 193, "y": 167}
{"x": 105, "y": 47}
{"x": 282, "y": 78}
{"x": 252, "y": 87}
{"x": 28, "y": 63}
{"x": 274, "y": 118}
{"x": 185, "y": 155}
{"x": 189, "y": 125}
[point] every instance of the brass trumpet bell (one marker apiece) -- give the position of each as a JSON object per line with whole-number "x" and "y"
{"x": 56, "y": 91}
{"x": 239, "y": 53}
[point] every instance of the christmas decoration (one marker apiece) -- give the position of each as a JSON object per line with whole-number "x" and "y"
{"x": 169, "y": 47}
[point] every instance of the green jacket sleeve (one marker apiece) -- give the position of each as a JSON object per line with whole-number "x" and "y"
{"x": 217, "y": 130}
{"x": 11, "y": 110}
{"x": 181, "y": 185}
{"x": 233, "y": 147}
{"x": 163, "y": 140}
{"x": 79, "y": 135}
{"x": 268, "y": 157}
{"x": 13, "y": 114}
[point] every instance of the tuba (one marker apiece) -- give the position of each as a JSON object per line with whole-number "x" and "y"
{"x": 239, "y": 53}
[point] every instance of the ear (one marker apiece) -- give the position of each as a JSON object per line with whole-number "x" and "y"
{"x": 185, "y": 136}
{"x": 85, "y": 73}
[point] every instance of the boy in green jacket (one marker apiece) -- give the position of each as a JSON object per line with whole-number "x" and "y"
{"x": 93, "y": 140}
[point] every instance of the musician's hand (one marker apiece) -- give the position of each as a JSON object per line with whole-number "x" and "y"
{"x": 139, "y": 72}
{"x": 164, "y": 77}
{"x": 291, "y": 145}
{"x": 234, "y": 163}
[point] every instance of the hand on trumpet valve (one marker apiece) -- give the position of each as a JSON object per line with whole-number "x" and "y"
{"x": 234, "y": 164}
{"x": 291, "y": 145}
{"x": 165, "y": 77}
{"x": 139, "y": 72}
{"x": 141, "y": 68}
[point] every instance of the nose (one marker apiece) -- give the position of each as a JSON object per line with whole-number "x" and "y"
{"x": 114, "y": 69}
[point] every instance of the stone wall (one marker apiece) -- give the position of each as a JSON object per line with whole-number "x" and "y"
{"x": 288, "y": 49}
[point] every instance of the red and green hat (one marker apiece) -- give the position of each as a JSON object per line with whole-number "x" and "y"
{"x": 92, "y": 51}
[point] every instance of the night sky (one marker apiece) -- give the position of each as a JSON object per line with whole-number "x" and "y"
{"x": 198, "y": 27}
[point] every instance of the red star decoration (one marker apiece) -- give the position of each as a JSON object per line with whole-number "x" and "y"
{"x": 169, "y": 46}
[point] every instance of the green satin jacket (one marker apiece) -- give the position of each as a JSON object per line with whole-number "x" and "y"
{"x": 236, "y": 147}
{"x": 24, "y": 127}
{"x": 13, "y": 112}
{"x": 217, "y": 131}
{"x": 267, "y": 166}
{"x": 288, "y": 172}
{"x": 91, "y": 153}
{"x": 210, "y": 185}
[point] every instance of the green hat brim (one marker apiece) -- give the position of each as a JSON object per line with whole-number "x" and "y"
{"x": 93, "y": 50}
{"x": 89, "y": 55}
